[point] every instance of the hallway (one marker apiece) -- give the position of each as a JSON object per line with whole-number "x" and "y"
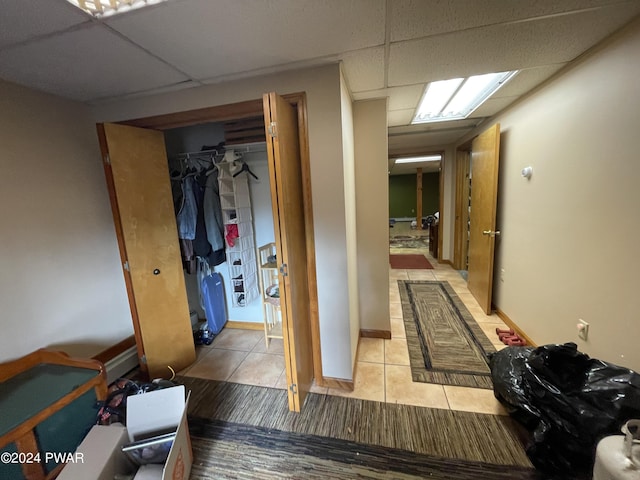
{"x": 382, "y": 372}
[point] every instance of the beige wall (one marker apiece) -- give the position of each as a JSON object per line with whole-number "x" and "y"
{"x": 372, "y": 187}
{"x": 570, "y": 234}
{"x": 349, "y": 168}
{"x": 322, "y": 86}
{"x": 61, "y": 285}
{"x": 448, "y": 199}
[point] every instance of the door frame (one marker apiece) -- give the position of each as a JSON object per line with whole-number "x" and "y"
{"x": 254, "y": 108}
{"x": 421, "y": 153}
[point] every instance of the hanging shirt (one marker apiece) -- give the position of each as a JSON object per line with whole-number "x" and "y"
{"x": 188, "y": 214}
{"x": 213, "y": 213}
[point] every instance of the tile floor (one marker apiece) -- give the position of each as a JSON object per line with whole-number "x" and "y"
{"x": 383, "y": 372}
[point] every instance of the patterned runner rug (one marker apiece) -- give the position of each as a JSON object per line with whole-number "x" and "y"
{"x": 408, "y": 241}
{"x": 247, "y": 432}
{"x": 446, "y": 345}
{"x": 224, "y": 450}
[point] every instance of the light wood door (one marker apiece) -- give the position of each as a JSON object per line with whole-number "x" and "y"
{"x": 461, "y": 234}
{"x": 484, "y": 196}
{"x": 138, "y": 179}
{"x": 283, "y": 147}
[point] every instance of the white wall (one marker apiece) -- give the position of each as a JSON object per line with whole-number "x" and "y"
{"x": 322, "y": 86}
{"x": 348, "y": 156}
{"x": 61, "y": 284}
{"x": 570, "y": 234}
{"x": 372, "y": 189}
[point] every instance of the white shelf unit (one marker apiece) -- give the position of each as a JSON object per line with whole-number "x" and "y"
{"x": 235, "y": 203}
{"x": 268, "y": 282}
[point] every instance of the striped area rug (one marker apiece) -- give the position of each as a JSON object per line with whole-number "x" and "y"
{"x": 242, "y": 431}
{"x": 225, "y": 450}
{"x": 446, "y": 345}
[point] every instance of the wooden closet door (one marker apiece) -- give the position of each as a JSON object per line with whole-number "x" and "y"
{"x": 287, "y": 200}
{"x": 137, "y": 174}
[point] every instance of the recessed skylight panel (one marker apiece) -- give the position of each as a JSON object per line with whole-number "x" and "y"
{"x": 457, "y": 98}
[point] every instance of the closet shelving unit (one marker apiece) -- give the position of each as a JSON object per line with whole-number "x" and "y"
{"x": 235, "y": 203}
{"x": 268, "y": 285}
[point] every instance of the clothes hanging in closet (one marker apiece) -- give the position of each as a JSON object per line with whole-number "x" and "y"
{"x": 188, "y": 213}
{"x": 199, "y": 214}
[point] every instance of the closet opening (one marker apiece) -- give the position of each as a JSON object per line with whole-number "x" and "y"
{"x": 264, "y": 190}
{"x": 224, "y": 167}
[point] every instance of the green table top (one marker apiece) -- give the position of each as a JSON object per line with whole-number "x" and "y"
{"x": 26, "y": 394}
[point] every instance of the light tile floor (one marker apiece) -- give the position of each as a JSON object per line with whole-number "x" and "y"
{"x": 383, "y": 372}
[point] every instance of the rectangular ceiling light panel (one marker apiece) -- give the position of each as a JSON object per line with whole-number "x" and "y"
{"x": 457, "y": 98}
{"x": 426, "y": 158}
{"x": 104, "y": 8}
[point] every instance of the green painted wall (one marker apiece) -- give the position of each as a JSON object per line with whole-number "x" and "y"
{"x": 402, "y": 195}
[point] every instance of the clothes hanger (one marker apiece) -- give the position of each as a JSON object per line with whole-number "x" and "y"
{"x": 245, "y": 168}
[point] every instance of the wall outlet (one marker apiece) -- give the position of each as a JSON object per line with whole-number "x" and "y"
{"x": 502, "y": 274}
{"x": 583, "y": 329}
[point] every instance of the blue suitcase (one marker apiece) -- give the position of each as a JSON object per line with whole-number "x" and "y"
{"x": 214, "y": 303}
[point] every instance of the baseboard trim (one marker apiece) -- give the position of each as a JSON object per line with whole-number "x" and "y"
{"x": 339, "y": 383}
{"x": 245, "y": 325}
{"x": 115, "y": 350}
{"x": 365, "y": 333}
{"x": 446, "y": 262}
{"x": 119, "y": 358}
{"x": 505, "y": 318}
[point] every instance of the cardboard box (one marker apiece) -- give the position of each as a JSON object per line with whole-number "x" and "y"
{"x": 100, "y": 454}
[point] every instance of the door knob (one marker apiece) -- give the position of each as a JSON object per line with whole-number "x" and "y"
{"x": 156, "y": 271}
{"x": 491, "y": 233}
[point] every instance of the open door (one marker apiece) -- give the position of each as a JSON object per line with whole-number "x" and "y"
{"x": 287, "y": 201}
{"x": 482, "y": 231}
{"x": 137, "y": 174}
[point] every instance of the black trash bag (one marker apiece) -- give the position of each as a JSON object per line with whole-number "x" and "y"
{"x": 568, "y": 401}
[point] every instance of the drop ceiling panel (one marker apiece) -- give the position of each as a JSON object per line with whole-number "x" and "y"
{"x": 503, "y": 47}
{"x": 25, "y": 19}
{"x": 52, "y": 65}
{"x": 420, "y": 18}
{"x": 364, "y": 69}
{"x": 492, "y": 107}
{"x": 405, "y": 97}
{"x": 400, "y": 117}
{"x": 424, "y": 140}
{"x": 369, "y": 94}
{"x": 527, "y": 79}
{"x": 399, "y": 97}
{"x": 211, "y": 39}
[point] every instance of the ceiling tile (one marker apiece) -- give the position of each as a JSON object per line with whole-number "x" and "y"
{"x": 419, "y": 140}
{"x": 504, "y": 47}
{"x": 527, "y": 79}
{"x": 400, "y": 117}
{"x": 492, "y": 106}
{"x": 227, "y": 37}
{"x": 26, "y": 19}
{"x": 111, "y": 66}
{"x": 420, "y": 18}
{"x": 399, "y": 97}
{"x": 405, "y": 97}
{"x": 364, "y": 69}
{"x": 369, "y": 94}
